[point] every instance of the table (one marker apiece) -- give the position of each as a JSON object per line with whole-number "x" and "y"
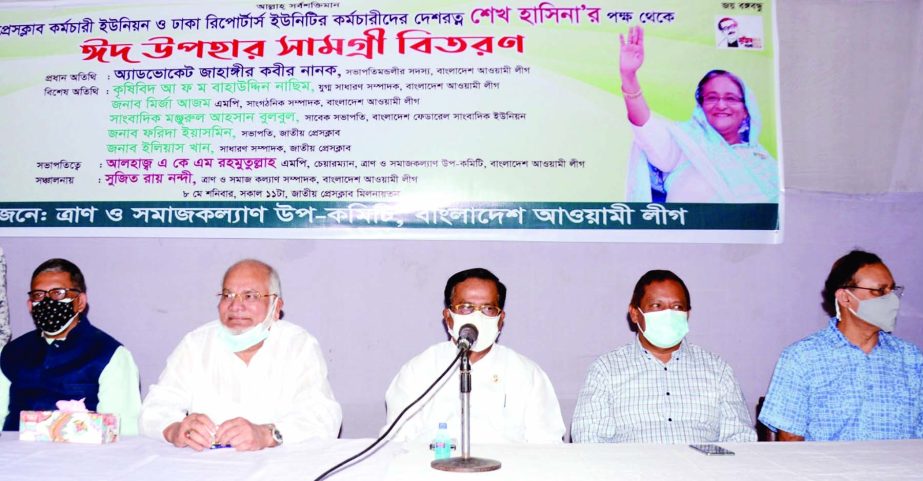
{"x": 874, "y": 460}
{"x": 140, "y": 459}
{"x": 145, "y": 459}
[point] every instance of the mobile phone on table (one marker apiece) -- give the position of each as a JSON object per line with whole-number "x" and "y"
{"x": 711, "y": 450}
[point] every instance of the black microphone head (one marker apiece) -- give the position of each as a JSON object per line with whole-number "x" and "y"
{"x": 467, "y": 336}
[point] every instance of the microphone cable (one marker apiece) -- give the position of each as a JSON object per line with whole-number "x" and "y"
{"x": 326, "y": 473}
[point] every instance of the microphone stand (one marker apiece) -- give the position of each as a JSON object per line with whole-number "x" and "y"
{"x": 465, "y": 463}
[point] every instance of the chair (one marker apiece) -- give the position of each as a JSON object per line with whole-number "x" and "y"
{"x": 763, "y": 433}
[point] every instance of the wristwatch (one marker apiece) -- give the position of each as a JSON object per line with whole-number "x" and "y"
{"x": 276, "y": 435}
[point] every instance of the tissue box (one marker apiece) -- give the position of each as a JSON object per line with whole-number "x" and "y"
{"x": 68, "y": 427}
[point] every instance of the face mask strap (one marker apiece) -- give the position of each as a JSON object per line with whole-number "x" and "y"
{"x": 272, "y": 307}
{"x": 853, "y": 311}
{"x": 640, "y": 329}
{"x": 642, "y": 317}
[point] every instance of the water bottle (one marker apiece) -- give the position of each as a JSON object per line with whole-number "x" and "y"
{"x": 442, "y": 444}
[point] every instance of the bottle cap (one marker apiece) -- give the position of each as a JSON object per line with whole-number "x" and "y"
{"x": 443, "y": 425}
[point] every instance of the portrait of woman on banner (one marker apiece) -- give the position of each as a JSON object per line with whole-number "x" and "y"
{"x": 715, "y": 157}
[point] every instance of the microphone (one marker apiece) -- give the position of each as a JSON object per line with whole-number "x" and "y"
{"x": 467, "y": 336}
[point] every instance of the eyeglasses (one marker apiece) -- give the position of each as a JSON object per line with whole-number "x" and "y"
{"x": 880, "y": 291}
{"x": 730, "y": 100}
{"x": 55, "y": 294}
{"x": 247, "y": 297}
{"x": 486, "y": 309}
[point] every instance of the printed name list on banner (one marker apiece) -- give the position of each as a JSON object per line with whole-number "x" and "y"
{"x": 642, "y": 120}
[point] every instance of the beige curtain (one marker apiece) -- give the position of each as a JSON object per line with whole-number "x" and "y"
{"x": 851, "y": 76}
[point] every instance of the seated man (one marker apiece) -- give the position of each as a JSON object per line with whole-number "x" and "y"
{"x": 660, "y": 388}
{"x": 512, "y": 400}
{"x": 245, "y": 379}
{"x": 853, "y": 380}
{"x": 66, "y": 357}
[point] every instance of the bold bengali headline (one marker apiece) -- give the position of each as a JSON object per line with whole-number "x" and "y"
{"x": 518, "y": 215}
{"x": 537, "y": 15}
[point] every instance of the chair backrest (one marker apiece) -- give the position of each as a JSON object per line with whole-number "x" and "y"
{"x": 763, "y": 433}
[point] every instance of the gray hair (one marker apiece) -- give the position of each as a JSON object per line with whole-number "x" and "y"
{"x": 275, "y": 284}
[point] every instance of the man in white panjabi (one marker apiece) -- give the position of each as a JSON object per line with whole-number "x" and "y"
{"x": 246, "y": 379}
{"x": 512, "y": 399}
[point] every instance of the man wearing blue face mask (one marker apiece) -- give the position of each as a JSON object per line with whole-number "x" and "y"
{"x": 660, "y": 388}
{"x": 66, "y": 357}
{"x": 512, "y": 400}
{"x": 853, "y": 380}
{"x": 246, "y": 379}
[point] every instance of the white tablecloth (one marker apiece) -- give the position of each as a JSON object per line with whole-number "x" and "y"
{"x": 140, "y": 459}
{"x": 144, "y": 459}
{"x": 880, "y": 460}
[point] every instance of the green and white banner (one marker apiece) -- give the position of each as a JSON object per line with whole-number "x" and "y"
{"x": 359, "y": 119}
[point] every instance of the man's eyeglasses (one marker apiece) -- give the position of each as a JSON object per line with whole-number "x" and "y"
{"x": 247, "y": 297}
{"x": 55, "y": 294}
{"x": 486, "y": 309}
{"x": 880, "y": 291}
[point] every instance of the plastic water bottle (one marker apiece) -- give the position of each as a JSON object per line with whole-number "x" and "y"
{"x": 442, "y": 444}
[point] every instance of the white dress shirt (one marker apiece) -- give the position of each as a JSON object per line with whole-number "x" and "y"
{"x": 285, "y": 383}
{"x": 512, "y": 400}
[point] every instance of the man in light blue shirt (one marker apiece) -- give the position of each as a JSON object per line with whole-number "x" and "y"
{"x": 852, "y": 380}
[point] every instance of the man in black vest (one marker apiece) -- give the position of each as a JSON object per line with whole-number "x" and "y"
{"x": 66, "y": 357}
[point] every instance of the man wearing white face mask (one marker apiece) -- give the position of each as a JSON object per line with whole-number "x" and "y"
{"x": 853, "y": 380}
{"x": 660, "y": 388}
{"x": 246, "y": 379}
{"x": 512, "y": 400}
{"x": 66, "y": 357}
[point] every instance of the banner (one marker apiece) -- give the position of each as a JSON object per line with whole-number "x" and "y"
{"x": 644, "y": 120}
